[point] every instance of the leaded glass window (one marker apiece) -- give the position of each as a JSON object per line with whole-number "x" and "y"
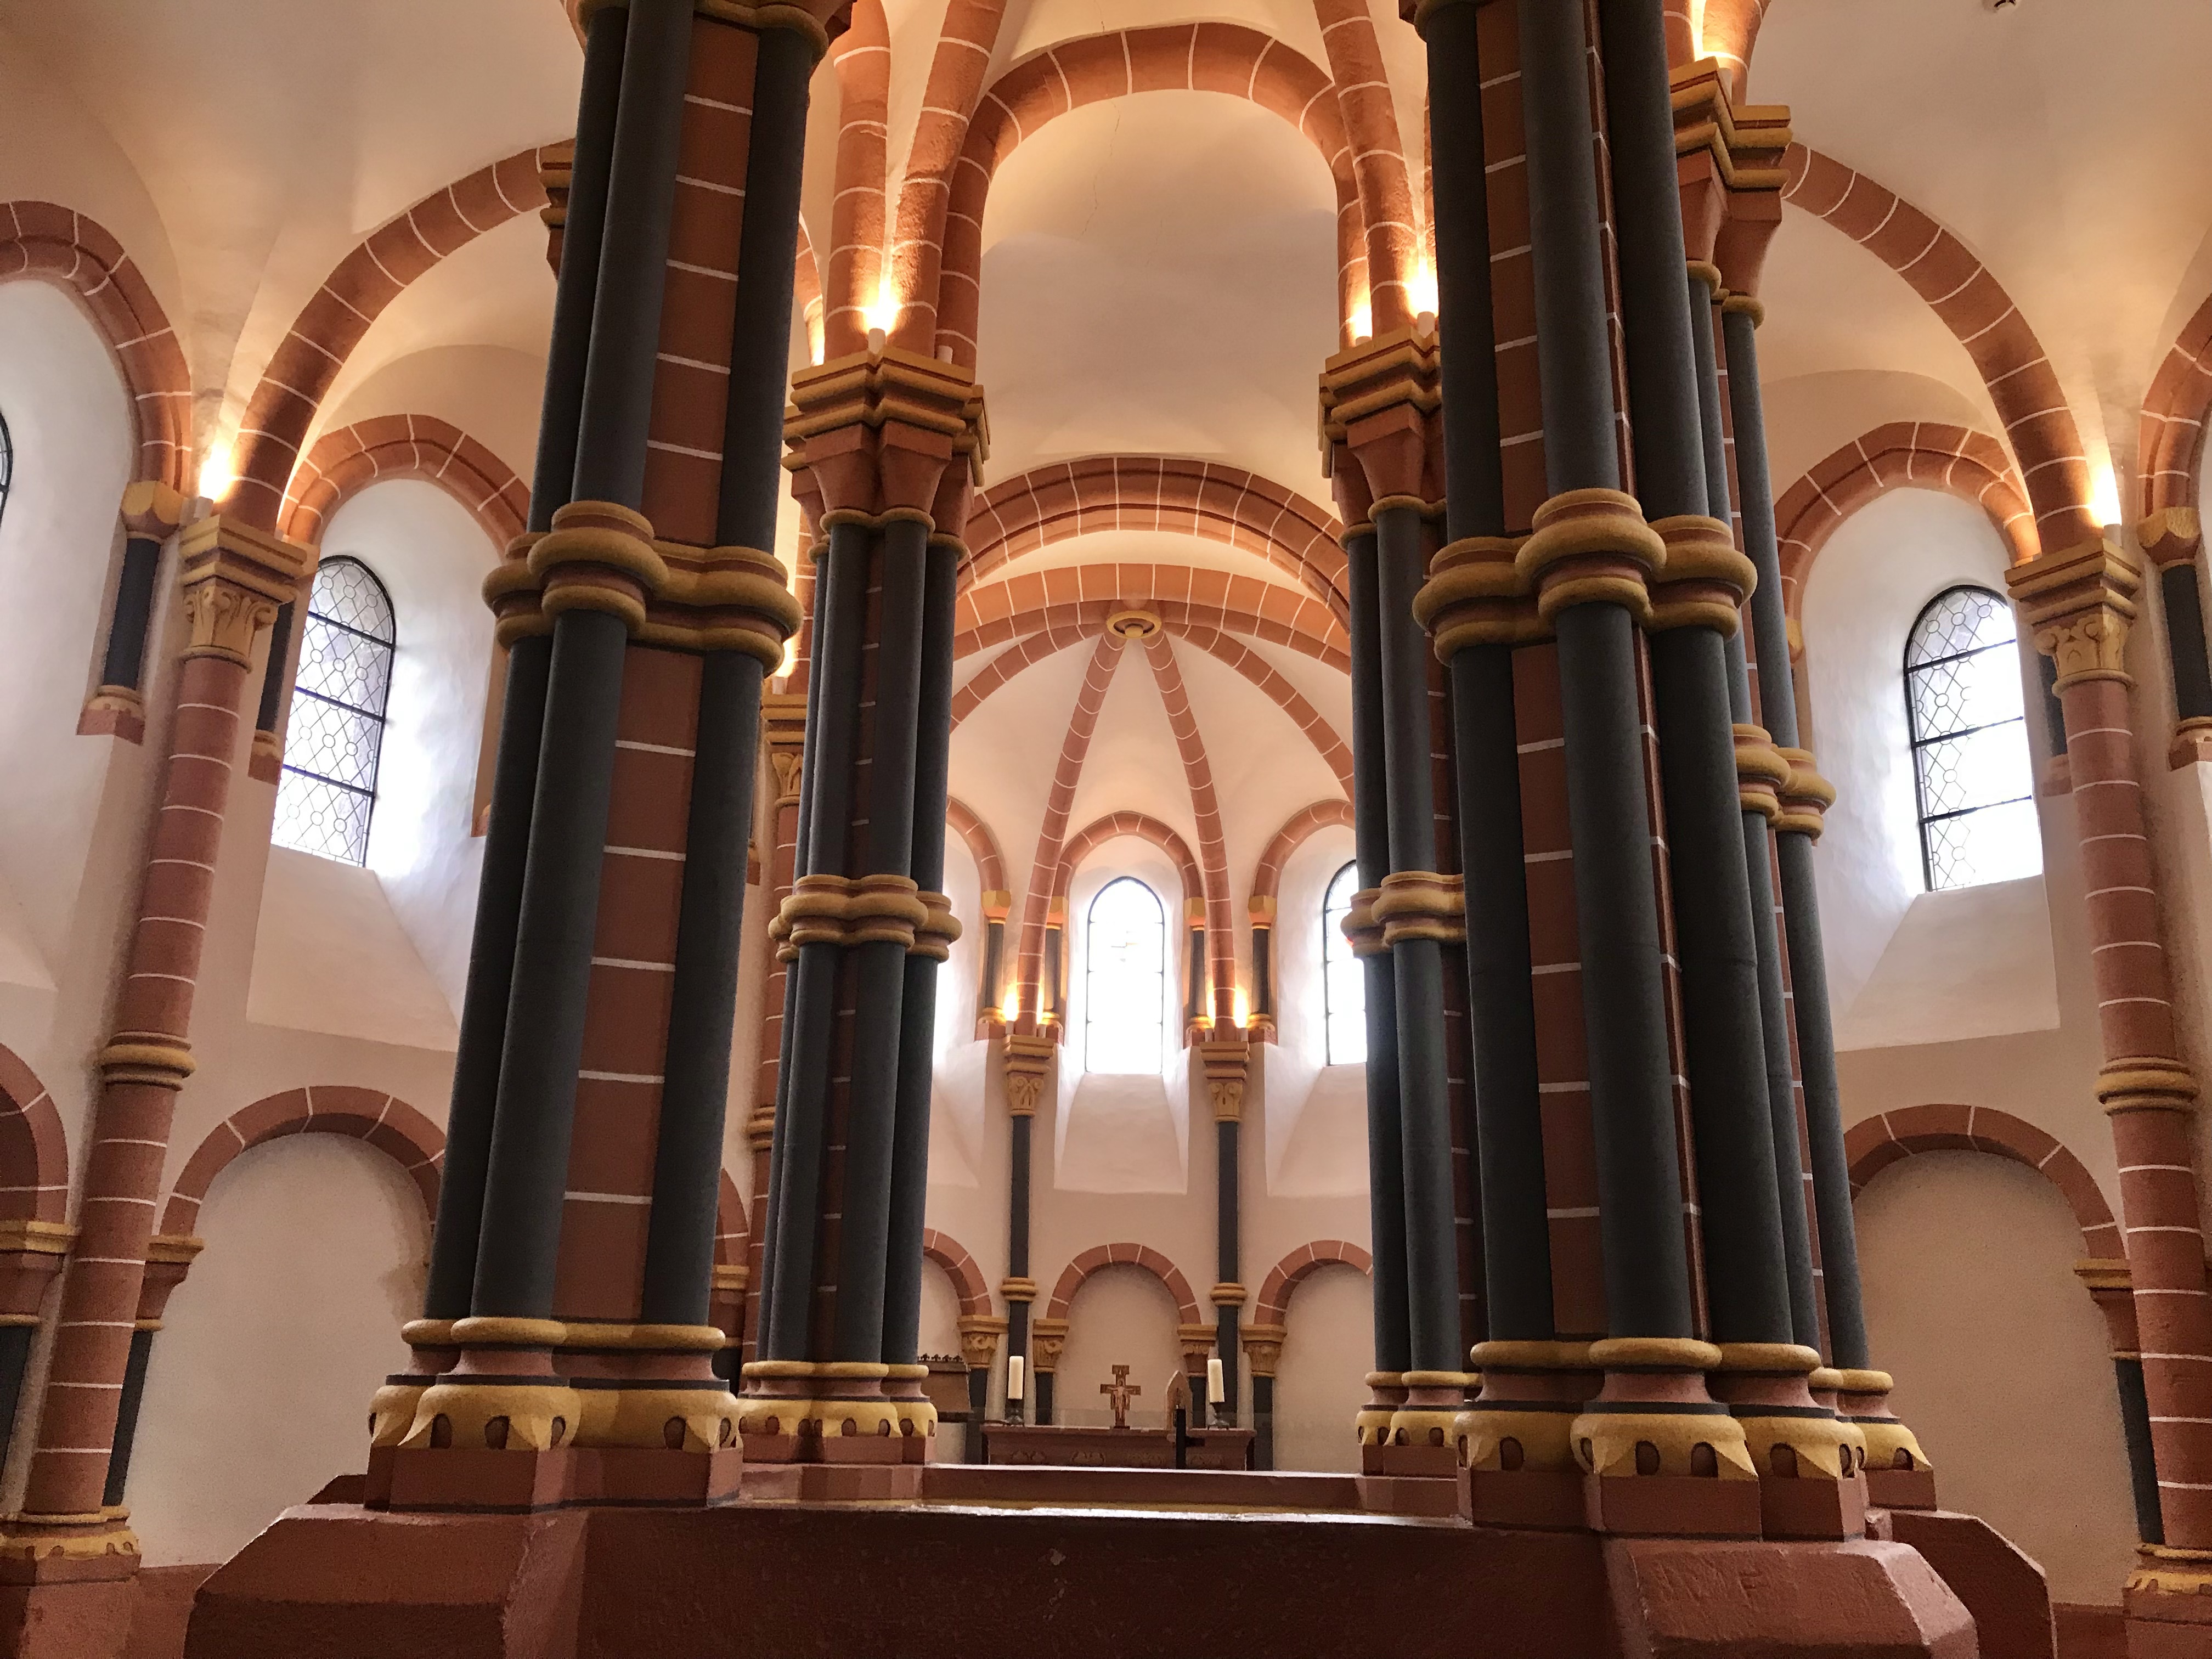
{"x": 7, "y": 465}
{"x": 1343, "y": 979}
{"x": 1125, "y": 979}
{"x": 1971, "y": 764}
{"x": 335, "y": 732}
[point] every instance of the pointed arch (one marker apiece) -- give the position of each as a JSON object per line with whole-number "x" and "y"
{"x": 58, "y": 245}
{"x": 308, "y": 362}
{"x": 1970, "y": 301}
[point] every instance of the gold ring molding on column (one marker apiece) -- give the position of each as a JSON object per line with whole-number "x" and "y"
{"x": 1761, "y": 772}
{"x": 2146, "y": 1084}
{"x": 1704, "y": 581}
{"x": 849, "y": 910}
{"x": 234, "y": 579}
{"x": 1018, "y": 1288}
{"x": 1591, "y": 546}
{"x": 935, "y": 933}
{"x": 1476, "y": 595}
{"x": 795, "y": 18}
{"x": 164, "y": 1062}
{"x": 602, "y": 556}
{"x": 1806, "y": 795}
{"x": 1414, "y": 904}
{"x": 1360, "y": 925}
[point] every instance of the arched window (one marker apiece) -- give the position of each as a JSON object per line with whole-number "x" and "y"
{"x": 1125, "y": 979}
{"x": 335, "y": 734}
{"x": 1343, "y": 979}
{"x": 1970, "y": 759}
{"x": 7, "y": 465}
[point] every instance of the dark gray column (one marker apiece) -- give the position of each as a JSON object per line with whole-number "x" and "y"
{"x": 1417, "y": 964}
{"x": 1800, "y": 902}
{"x": 514, "y": 769}
{"x": 879, "y": 970}
{"x": 2184, "y": 640}
{"x": 1263, "y": 1422}
{"x": 276, "y": 671}
{"x": 1371, "y": 821}
{"x": 2143, "y": 1463}
{"x": 1638, "y": 1172}
{"x": 134, "y": 1400}
{"x": 826, "y": 805}
{"x": 978, "y": 1407}
{"x": 534, "y": 1110}
{"x": 125, "y": 661}
{"x": 918, "y": 1007}
{"x": 1790, "y": 1184}
{"x": 1509, "y": 1133}
{"x": 1228, "y": 1187}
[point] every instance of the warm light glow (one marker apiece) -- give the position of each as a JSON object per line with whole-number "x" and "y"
{"x": 790, "y": 658}
{"x": 2104, "y": 493}
{"x": 1421, "y": 291}
{"x": 884, "y": 313}
{"x": 816, "y": 348}
{"x": 1010, "y": 1011}
{"x": 1363, "y": 322}
{"x": 217, "y": 475}
{"x": 1243, "y": 1005}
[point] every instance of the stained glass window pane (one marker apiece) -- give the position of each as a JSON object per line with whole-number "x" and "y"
{"x": 1125, "y": 979}
{"x": 1971, "y": 767}
{"x": 335, "y": 737}
{"x": 1344, "y": 979}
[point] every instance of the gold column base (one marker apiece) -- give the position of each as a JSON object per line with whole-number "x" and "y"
{"x": 2163, "y": 1570}
{"x": 827, "y": 1401}
{"x": 1524, "y": 1418}
{"x": 917, "y": 1415}
{"x": 1387, "y": 1393}
{"x": 95, "y": 1535}
{"x": 1615, "y": 1439}
{"x": 1768, "y": 1387}
{"x": 1429, "y": 1417}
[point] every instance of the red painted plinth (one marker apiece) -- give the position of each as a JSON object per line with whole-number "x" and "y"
{"x": 970, "y": 1573}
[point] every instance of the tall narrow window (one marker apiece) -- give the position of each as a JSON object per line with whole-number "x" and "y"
{"x": 1343, "y": 981}
{"x": 336, "y": 734}
{"x": 7, "y": 465}
{"x": 1970, "y": 759}
{"x": 1125, "y": 979}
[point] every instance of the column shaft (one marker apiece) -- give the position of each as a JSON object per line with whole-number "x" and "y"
{"x": 125, "y": 662}
{"x": 1228, "y": 1135}
{"x": 1793, "y": 848}
{"x": 2184, "y": 640}
{"x": 1371, "y": 820}
{"x": 918, "y": 1008}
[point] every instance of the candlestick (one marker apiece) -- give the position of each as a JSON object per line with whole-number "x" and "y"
{"x": 1014, "y": 1378}
{"x": 1215, "y": 1390}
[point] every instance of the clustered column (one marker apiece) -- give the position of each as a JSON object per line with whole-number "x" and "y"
{"x": 886, "y": 447}
{"x": 572, "y": 1266}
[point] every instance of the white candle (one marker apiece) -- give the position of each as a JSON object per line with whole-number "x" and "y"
{"x": 1215, "y": 1393}
{"x": 1014, "y": 1377}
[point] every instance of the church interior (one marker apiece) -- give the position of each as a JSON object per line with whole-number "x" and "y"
{"x": 836, "y": 838}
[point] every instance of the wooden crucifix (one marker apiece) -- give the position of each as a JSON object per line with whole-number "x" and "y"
{"x": 1119, "y": 1393}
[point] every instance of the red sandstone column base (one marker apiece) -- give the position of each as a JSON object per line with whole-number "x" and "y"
{"x": 59, "y": 1607}
{"x": 1068, "y": 1581}
{"x": 2168, "y": 1605}
{"x": 2002, "y": 1587}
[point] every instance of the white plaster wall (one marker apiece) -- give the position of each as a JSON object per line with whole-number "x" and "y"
{"x": 259, "y": 1385}
{"x": 1995, "y": 974}
{"x": 1122, "y": 1316}
{"x": 1316, "y": 1121}
{"x": 1320, "y": 1382}
{"x": 2000, "y": 1359}
{"x": 433, "y": 557}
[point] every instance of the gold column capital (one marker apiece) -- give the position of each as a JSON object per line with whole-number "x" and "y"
{"x": 152, "y": 510}
{"x": 2078, "y": 604}
{"x": 1028, "y": 1062}
{"x": 234, "y": 577}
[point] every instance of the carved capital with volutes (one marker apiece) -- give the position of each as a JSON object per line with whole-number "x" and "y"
{"x": 783, "y": 726}
{"x": 1047, "y": 1341}
{"x": 1227, "y": 1065}
{"x": 2078, "y": 605}
{"x": 234, "y": 579}
{"x": 1028, "y": 1062}
{"x": 1262, "y": 1346}
{"x": 978, "y": 1340}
